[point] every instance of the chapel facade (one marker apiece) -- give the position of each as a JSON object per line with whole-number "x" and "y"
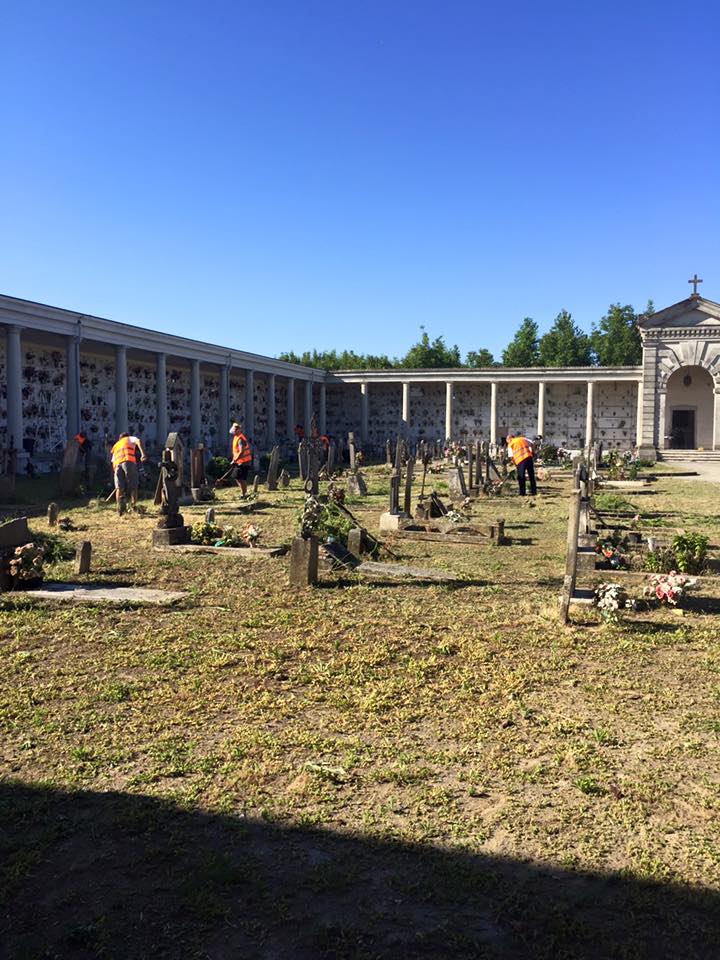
{"x": 62, "y": 371}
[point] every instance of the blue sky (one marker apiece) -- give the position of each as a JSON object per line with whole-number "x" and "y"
{"x": 279, "y": 175}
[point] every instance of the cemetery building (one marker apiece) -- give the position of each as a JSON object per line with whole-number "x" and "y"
{"x": 63, "y": 371}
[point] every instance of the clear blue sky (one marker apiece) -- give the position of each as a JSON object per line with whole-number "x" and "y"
{"x": 287, "y": 175}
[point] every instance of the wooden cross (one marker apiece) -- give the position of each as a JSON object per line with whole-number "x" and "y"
{"x": 695, "y": 281}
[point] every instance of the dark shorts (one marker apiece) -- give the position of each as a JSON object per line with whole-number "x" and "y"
{"x": 126, "y": 477}
{"x": 240, "y": 471}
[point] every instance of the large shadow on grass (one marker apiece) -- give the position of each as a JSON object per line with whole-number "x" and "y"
{"x": 113, "y": 875}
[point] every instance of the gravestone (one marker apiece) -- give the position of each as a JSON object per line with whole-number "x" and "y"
{"x": 256, "y": 484}
{"x": 210, "y": 515}
{"x": 409, "y": 470}
{"x": 392, "y": 519}
{"x": 14, "y": 533}
{"x": 171, "y": 527}
{"x": 356, "y": 541}
{"x": 304, "y": 562}
{"x": 199, "y": 488}
{"x": 351, "y": 451}
{"x": 456, "y": 483}
{"x": 284, "y": 478}
{"x": 273, "y": 469}
{"x": 68, "y": 478}
{"x": 388, "y": 453}
{"x": 52, "y": 514}
{"x": 83, "y": 556}
{"x": 330, "y": 463}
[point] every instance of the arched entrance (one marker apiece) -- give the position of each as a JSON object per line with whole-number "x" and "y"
{"x": 689, "y": 409}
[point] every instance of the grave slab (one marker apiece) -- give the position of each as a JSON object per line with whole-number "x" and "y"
{"x": 244, "y": 553}
{"x": 104, "y": 593}
{"x": 400, "y": 571}
{"x": 14, "y": 533}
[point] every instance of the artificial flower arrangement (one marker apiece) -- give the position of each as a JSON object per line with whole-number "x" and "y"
{"x": 612, "y": 601}
{"x": 610, "y": 552}
{"x": 669, "y": 589}
{"x": 26, "y": 563}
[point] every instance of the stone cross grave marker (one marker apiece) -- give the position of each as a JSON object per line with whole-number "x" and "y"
{"x": 394, "y": 505}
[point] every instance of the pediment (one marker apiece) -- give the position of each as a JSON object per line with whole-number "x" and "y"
{"x": 693, "y": 312}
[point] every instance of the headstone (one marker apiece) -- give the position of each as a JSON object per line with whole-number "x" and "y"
{"x": 170, "y": 528}
{"x": 471, "y": 472}
{"x": 340, "y": 555}
{"x": 303, "y": 459}
{"x": 68, "y": 479}
{"x": 52, "y": 514}
{"x": 83, "y": 556}
{"x": 304, "y": 562}
{"x": 409, "y": 470}
{"x": 210, "y": 515}
{"x": 14, "y": 533}
{"x": 500, "y": 538}
{"x": 330, "y": 464}
{"x": 284, "y": 478}
{"x": 356, "y": 485}
{"x": 456, "y": 483}
{"x": 273, "y": 468}
{"x": 394, "y": 507}
{"x": 356, "y": 541}
{"x": 351, "y": 451}
{"x": 388, "y": 453}
{"x": 256, "y": 484}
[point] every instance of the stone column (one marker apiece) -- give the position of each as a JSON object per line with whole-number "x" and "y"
{"x": 716, "y": 417}
{"x": 270, "y": 402}
{"x": 291, "y": 407}
{"x": 72, "y": 377}
{"x": 541, "y": 409}
{"x": 13, "y": 360}
{"x": 323, "y": 409}
{"x": 308, "y": 407}
{"x": 661, "y": 427}
{"x": 405, "y": 420}
{"x": 639, "y": 421}
{"x": 161, "y": 402}
{"x": 589, "y": 410}
{"x": 651, "y": 431}
{"x": 449, "y": 385}
{"x": 121, "y": 393}
{"x": 249, "y": 424}
{"x": 493, "y": 412}
{"x": 195, "y": 421}
{"x": 364, "y": 411}
{"x": 223, "y": 442}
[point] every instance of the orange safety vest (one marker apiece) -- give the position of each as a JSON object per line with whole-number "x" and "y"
{"x": 243, "y": 455}
{"x": 123, "y": 452}
{"x": 520, "y": 449}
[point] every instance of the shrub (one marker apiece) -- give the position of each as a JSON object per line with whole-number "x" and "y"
{"x": 690, "y": 550}
{"x": 217, "y": 466}
{"x": 54, "y": 547}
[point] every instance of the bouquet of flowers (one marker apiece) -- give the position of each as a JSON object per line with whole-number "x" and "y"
{"x": 610, "y": 552}
{"x": 669, "y": 588}
{"x": 612, "y": 600}
{"x": 27, "y": 562}
{"x": 251, "y": 534}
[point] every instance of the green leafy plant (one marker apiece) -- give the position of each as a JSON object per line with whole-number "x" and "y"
{"x": 324, "y": 520}
{"x": 54, "y": 547}
{"x": 613, "y": 503}
{"x": 217, "y": 466}
{"x": 690, "y": 550}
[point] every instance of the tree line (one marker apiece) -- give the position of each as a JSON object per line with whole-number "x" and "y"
{"x": 614, "y": 341}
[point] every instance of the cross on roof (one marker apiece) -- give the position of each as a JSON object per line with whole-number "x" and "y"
{"x": 695, "y": 281}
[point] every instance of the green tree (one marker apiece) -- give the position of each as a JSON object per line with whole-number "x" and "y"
{"x": 616, "y": 338}
{"x": 565, "y": 344}
{"x": 332, "y": 360}
{"x": 431, "y": 353}
{"x": 522, "y": 351}
{"x": 480, "y": 358}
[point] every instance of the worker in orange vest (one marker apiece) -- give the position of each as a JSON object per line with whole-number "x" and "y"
{"x": 522, "y": 453}
{"x": 241, "y": 459}
{"x": 124, "y": 456}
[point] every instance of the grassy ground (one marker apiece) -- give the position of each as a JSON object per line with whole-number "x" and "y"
{"x": 361, "y": 770}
